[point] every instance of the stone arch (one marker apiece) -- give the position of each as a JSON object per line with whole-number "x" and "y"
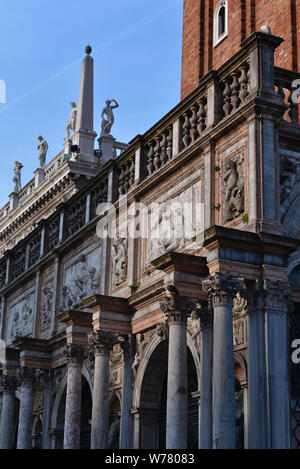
{"x": 37, "y": 431}
{"x": 59, "y": 402}
{"x": 289, "y": 209}
{"x": 150, "y": 393}
{"x": 115, "y": 408}
{"x": 240, "y": 366}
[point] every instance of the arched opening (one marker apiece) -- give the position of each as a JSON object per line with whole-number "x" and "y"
{"x": 37, "y": 436}
{"x": 153, "y": 401}
{"x": 221, "y": 21}
{"x": 86, "y": 415}
{"x": 114, "y": 423}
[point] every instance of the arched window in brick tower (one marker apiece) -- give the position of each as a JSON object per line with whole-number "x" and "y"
{"x": 220, "y": 22}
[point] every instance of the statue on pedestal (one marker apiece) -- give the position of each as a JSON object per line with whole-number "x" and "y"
{"x": 71, "y": 125}
{"x": 108, "y": 122}
{"x": 42, "y": 148}
{"x": 17, "y": 176}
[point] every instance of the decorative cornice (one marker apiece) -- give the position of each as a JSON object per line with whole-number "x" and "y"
{"x": 75, "y": 354}
{"x": 101, "y": 343}
{"x": 221, "y": 289}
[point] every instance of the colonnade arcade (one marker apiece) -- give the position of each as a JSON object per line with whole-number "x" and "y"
{"x": 186, "y": 389}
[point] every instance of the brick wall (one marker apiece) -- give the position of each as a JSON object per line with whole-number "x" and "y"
{"x": 244, "y": 17}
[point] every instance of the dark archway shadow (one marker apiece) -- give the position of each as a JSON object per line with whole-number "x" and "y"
{"x": 153, "y": 401}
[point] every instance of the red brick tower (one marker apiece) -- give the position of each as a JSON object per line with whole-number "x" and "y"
{"x": 214, "y": 29}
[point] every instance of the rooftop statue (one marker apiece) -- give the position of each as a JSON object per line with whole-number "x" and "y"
{"x": 42, "y": 148}
{"x": 71, "y": 125}
{"x": 108, "y": 122}
{"x": 17, "y": 176}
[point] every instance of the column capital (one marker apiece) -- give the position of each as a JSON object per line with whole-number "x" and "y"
{"x": 205, "y": 312}
{"x": 100, "y": 342}
{"x": 8, "y": 383}
{"x": 75, "y": 354}
{"x": 175, "y": 307}
{"x": 221, "y": 288}
{"x": 276, "y": 294}
{"x": 128, "y": 346}
{"x": 25, "y": 376}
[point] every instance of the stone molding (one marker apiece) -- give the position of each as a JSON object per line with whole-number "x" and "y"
{"x": 101, "y": 343}
{"x": 222, "y": 289}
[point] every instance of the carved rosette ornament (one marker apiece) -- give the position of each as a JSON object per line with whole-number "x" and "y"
{"x": 8, "y": 384}
{"x": 75, "y": 354}
{"x": 175, "y": 307}
{"x": 100, "y": 343}
{"x": 25, "y": 376}
{"x": 222, "y": 289}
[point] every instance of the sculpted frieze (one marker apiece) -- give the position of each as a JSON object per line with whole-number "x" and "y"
{"x": 119, "y": 261}
{"x": 233, "y": 187}
{"x": 21, "y": 319}
{"x": 82, "y": 279}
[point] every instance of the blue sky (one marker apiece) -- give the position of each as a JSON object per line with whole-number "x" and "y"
{"x": 137, "y": 53}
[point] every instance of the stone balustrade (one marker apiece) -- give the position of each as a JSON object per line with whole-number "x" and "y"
{"x": 283, "y": 81}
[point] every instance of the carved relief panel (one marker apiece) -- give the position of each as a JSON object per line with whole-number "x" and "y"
{"x": 81, "y": 278}
{"x": 21, "y": 318}
{"x": 119, "y": 261}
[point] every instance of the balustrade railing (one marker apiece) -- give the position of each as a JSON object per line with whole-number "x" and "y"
{"x": 236, "y": 88}
{"x": 286, "y": 84}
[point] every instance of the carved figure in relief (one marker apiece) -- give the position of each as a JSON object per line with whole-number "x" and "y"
{"x": 233, "y": 187}
{"x": 119, "y": 273}
{"x": 140, "y": 343}
{"x": 47, "y": 305}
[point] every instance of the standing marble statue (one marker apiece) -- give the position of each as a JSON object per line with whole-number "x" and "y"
{"x": 42, "y": 148}
{"x": 17, "y": 176}
{"x": 71, "y": 125}
{"x": 108, "y": 122}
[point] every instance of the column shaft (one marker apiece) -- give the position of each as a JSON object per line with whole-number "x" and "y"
{"x": 100, "y": 414}
{"x": 176, "y": 437}
{"x": 126, "y": 421}
{"x": 7, "y": 419}
{"x": 205, "y": 390}
{"x": 25, "y": 415}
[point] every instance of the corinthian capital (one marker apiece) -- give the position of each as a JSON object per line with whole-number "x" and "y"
{"x": 221, "y": 288}
{"x": 175, "y": 307}
{"x": 8, "y": 383}
{"x": 102, "y": 342}
{"x": 277, "y": 294}
{"x": 75, "y": 354}
{"x": 25, "y": 376}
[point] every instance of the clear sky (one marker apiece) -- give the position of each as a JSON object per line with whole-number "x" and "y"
{"x": 137, "y": 55}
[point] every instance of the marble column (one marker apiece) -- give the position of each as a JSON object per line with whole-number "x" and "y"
{"x": 176, "y": 310}
{"x": 127, "y": 420}
{"x": 101, "y": 344}
{"x": 8, "y": 412}
{"x": 206, "y": 318}
{"x": 75, "y": 355}
{"x": 26, "y": 379}
{"x": 221, "y": 290}
{"x": 257, "y": 391}
{"x": 277, "y": 295}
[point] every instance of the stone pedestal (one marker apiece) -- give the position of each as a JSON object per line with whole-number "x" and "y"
{"x": 26, "y": 377}
{"x": 221, "y": 290}
{"x": 13, "y": 200}
{"x": 75, "y": 356}
{"x": 8, "y": 413}
{"x": 176, "y": 309}
{"x": 101, "y": 343}
{"x": 67, "y": 146}
{"x": 205, "y": 430}
{"x": 39, "y": 175}
{"x": 106, "y": 145}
